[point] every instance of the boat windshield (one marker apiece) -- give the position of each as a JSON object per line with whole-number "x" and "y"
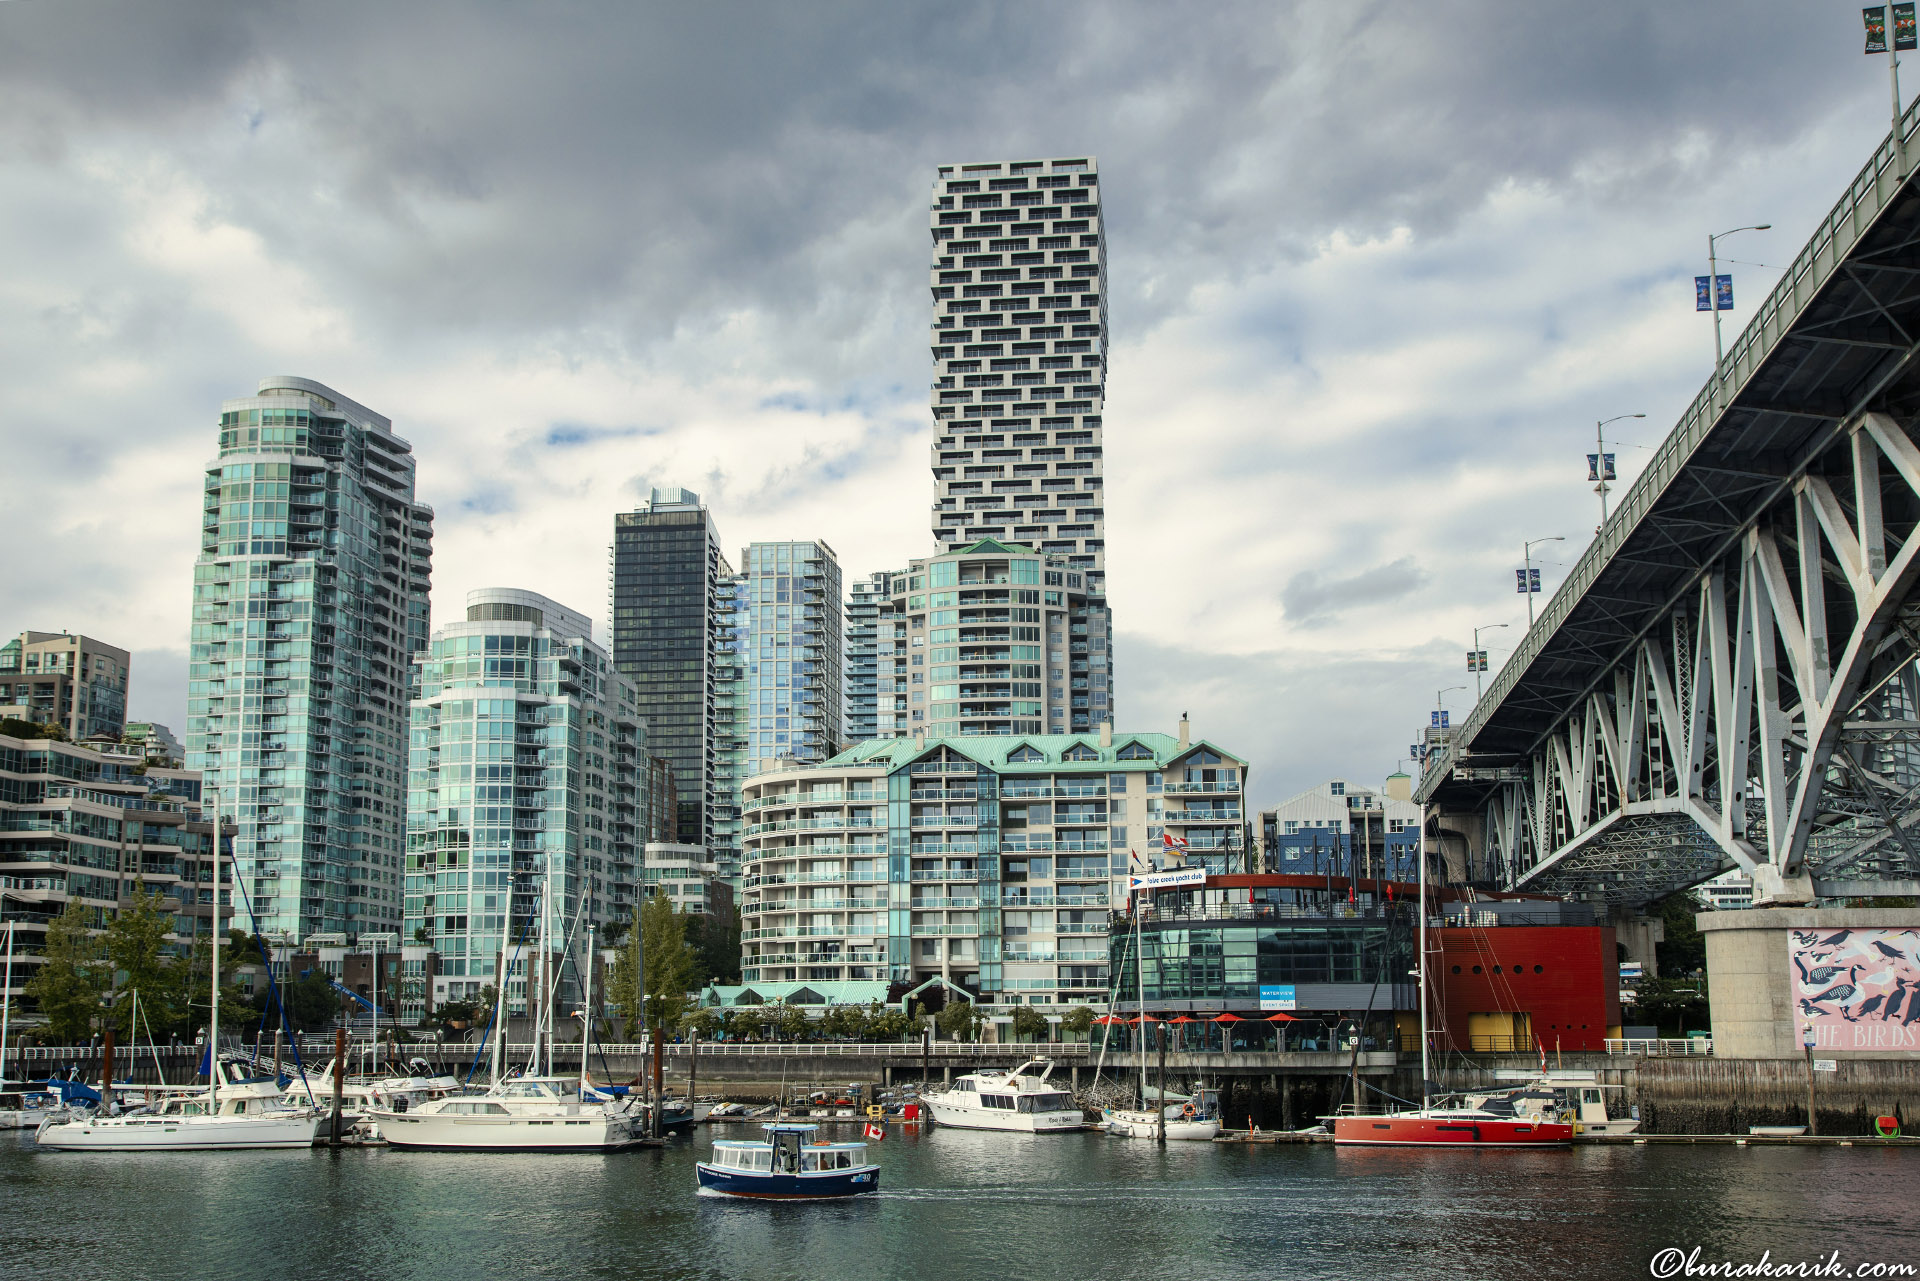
{"x": 1049, "y": 1102}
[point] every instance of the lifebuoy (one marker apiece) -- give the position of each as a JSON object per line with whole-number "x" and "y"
{"x": 1887, "y": 1127}
{"x": 1187, "y": 1111}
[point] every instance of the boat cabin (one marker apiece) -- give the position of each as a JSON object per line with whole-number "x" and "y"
{"x": 787, "y": 1149}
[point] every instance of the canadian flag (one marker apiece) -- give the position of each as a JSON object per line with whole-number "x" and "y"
{"x": 875, "y": 1132}
{"x": 1174, "y": 842}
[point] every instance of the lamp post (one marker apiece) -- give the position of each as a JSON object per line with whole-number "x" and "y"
{"x": 1526, "y": 575}
{"x": 1440, "y": 706}
{"x": 1600, "y": 463}
{"x": 1808, "y": 1039}
{"x": 1479, "y": 657}
{"x": 1713, "y": 287}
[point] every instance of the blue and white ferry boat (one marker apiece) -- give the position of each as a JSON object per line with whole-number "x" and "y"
{"x": 788, "y": 1165}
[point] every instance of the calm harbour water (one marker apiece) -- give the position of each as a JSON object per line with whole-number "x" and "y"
{"x": 955, "y": 1205}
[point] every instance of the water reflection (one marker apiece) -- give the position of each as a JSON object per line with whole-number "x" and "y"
{"x": 956, "y": 1205}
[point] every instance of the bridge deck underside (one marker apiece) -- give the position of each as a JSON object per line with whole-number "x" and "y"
{"x": 1736, "y": 469}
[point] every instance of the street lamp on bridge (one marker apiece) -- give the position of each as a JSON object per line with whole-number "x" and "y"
{"x": 1529, "y": 576}
{"x": 1713, "y": 289}
{"x": 1477, "y": 657}
{"x": 1602, "y": 469}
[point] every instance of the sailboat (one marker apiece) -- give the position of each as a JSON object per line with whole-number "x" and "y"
{"x": 243, "y": 1115}
{"x": 533, "y": 1113}
{"x": 1440, "y": 1126}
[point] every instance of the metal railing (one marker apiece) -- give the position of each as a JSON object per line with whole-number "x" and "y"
{"x": 1662, "y": 1047}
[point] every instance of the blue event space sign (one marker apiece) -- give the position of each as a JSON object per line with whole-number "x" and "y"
{"x": 1276, "y": 996}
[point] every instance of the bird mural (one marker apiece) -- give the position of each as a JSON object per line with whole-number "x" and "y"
{"x": 1850, "y": 978}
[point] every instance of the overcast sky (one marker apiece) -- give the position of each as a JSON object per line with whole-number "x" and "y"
{"x": 1375, "y": 271}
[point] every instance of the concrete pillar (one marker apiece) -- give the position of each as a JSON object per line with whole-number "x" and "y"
{"x": 1638, "y": 935}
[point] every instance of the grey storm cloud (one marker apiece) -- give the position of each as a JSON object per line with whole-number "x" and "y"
{"x": 523, "y": 229}
{"x": 1311, "y": 598}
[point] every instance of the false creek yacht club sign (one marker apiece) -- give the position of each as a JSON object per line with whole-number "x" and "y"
{"x": 1859, "y": 989}
{"x": 1166, "y": 880}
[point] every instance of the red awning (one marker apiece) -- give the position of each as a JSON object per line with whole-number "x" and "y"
{"x": 1281, "y": 1018}
{"x": 1109, "y": 1018}
{"x": 1181, "y": 1018}
{"x": 1228, "y": 1018}
{"x": 1146, "y": 1018}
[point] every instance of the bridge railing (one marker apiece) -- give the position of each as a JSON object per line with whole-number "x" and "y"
{"x": 1865, "y": 197}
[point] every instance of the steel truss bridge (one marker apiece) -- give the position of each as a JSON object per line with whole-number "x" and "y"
{"x": 1728, "y": 677}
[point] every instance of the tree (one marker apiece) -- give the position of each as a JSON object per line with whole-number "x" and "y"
{"x": 887, "y": 1024}
{"x": 69, "y": 984}
{"x": 960, "y": 1020}
{"x": 669, "y": 968}
{"x": 309, "y": 1002}
{"x": 1028, "y": 1022}
{"x": 703, "y": 1022}
{"x": 790, "y": 1022}
{"x": 623, "y": 984}
{"x": 196, "y": 1004}
{"x": 1078, "y": 1021}
{"x": 1671, "y": 1004}
{"x": 136, "y": 947}
{"x": 715, "y": 942}
{"x": 1683, "y": 951}
{"x": 847, "y": 1022}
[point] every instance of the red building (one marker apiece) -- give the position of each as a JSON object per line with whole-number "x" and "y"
{"x": 1515, "y": 987}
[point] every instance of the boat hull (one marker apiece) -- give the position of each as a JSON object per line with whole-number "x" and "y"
{"x": 997, "y": 1119}
{"x": 1425, "y": 1131}
{"x": 826, "y": 1185}
{"x": 178, "y": 1134}
{"x": 429, "y": 1133}
{"x": 1140, "y": 1125}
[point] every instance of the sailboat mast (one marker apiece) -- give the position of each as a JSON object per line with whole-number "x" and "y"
{"x": 213, "y": 998}
{"x": 1421, "y": 970}
{"x": 545, "y": 1059}
{"x": 1140, "y": 983}
{"x": 586, "y": 1036}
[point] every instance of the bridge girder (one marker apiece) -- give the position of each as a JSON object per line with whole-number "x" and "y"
{"x": 1728, "y": 677}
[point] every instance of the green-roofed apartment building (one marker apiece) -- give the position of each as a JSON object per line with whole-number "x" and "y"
{"x": 991, "y": 861}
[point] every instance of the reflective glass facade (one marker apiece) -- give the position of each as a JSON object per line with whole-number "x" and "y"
{"x": 670, "y": 597}
{"x": 309, "y": 602}
{"x": 793, "y": 640}
{"x": 528, "y": 756}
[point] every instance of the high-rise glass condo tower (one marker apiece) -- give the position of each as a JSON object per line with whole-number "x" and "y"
{"x": 529, "y": 760}
{"x": 309, "y": 601}
{"x": 992, "y": 639}
{"x": 867, "y": 602}
{"x": 671, "y": 595}
{"x": 793, "y": 660}
{"x": 1019, "y": 349}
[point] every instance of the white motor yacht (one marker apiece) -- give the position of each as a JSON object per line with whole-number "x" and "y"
{"x": 523, "y": 1114}
{"x": 1576, "y": 1097}
{"x": 1016, "y": 1100}
{"x": 248, "y": 1115}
